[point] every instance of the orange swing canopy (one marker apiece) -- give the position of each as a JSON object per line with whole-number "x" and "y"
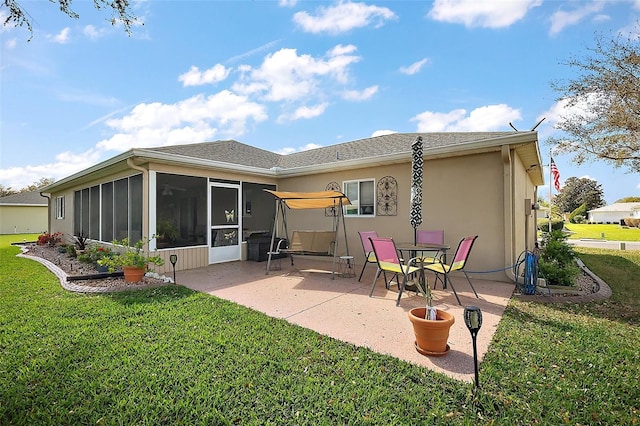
{"x": 311, "y": 200}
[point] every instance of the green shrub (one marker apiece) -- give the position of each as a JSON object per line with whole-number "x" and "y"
{"x": 556, "y": 225}
{"x": 557, "y": 259}
{"x": 579, "y": 211}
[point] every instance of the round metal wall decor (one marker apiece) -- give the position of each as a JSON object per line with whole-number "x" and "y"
{"x": 332, "y": 186}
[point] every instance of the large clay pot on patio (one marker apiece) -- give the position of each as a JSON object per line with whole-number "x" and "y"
{"x": 431, "y": 335}
{"x": 133, "y": 274}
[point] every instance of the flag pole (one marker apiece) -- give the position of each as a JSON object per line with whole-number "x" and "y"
{"x": 550, "y": 190}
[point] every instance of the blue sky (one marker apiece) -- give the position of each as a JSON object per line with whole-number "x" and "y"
{"x": 289, "y": 75}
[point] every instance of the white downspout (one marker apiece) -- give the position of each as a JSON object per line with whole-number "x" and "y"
{"x": 508, "y": 209}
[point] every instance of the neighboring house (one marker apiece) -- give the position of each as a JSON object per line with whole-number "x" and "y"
{"x": 543, "y": 212}
{"x": 23, "y": 213}
{"x": 613, "y": 213}
{"x": 204, "y": 200}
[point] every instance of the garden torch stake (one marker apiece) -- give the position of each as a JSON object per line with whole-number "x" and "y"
{"x": 473, "y": 321}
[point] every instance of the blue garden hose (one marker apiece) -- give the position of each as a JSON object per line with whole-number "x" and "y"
{"x": 529, "y": 260}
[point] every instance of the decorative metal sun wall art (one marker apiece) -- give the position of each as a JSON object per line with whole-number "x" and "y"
{"x": 332, "y": 186}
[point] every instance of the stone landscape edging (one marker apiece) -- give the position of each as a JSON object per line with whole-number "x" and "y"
{"x": 71, "y": 286}
{"x": 604, "y": 292}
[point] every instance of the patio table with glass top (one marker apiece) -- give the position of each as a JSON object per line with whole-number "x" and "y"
{"x": 412, "y": 249}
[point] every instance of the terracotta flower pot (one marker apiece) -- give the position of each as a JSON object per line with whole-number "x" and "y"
{"x": 133, "y": 274}
{"x": 431, "y": 335}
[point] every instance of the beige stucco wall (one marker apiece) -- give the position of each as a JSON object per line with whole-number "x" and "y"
{"x": 462, "y": 195}
{"x": 480, "y": 194}
{"x": 23, "y": 219}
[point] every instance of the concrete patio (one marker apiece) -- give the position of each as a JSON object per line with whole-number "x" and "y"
{"x": 341, "y": 308}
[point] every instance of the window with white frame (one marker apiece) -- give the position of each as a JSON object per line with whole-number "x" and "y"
{"x": 361, "y": 193}
{"x": 60, "y": 207}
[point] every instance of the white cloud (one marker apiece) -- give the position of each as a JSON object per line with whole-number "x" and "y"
{"x": 564, "y": 108}
{"x": 304, "y": 112}
{"x": 290, "y": 150}
{"x": 562, "y": 19}
{"x": 414, "y": 68}
{"x": 343, "y": 17}
{"x": 287, "y": 3}
{"x": 287, "y": 76}
{"x": 83, "y": 97}
{"x": 195, "y": 77}
{"x": 65, "y": 164}
{"x": 62, "y": 37}
{"x": 382, "y": 133}
{"x": 11, "y": 43}
{"x": 485, "y": 14}
{"x": 482, "y": 119}
{"x": 264, "y": 47}
{"x": 363, "y": 95}
{"x": 93, "y": 33}
{"x": 195, "y": 119}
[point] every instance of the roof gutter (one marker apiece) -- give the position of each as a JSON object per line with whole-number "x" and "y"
{"x": 192, "y": 161}
{"x": 96, "y": 167}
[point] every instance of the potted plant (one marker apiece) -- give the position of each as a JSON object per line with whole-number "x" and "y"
{"x": 134, "y": 261}
{"x": 430, "y": 325}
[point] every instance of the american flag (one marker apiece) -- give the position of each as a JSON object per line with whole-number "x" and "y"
{"x": 555, "y": 174}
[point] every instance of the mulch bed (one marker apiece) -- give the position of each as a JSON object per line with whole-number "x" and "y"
{"x": 81, "y": 274}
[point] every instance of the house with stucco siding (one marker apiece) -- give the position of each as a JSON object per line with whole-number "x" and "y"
{"x": 23, "y": 213}
{"x": 204, "y": 201}
{"x": 613, "y": 213}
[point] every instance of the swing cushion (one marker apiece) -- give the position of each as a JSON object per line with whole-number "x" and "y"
{"x": 319, "y": 243}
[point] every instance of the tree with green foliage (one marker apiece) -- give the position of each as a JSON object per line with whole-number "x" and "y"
{"x": 629, "y": 200}
{"x": 6, "y": 190}
{"x": 578, "y": 191}
{"x": 41, "y": 183}
{"x": 19, "y": 17}
{"x": 602, "y": 104}
{"x": 579, "y": 214}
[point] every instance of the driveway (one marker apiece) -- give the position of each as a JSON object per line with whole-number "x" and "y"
{"x": 615, "y": 245}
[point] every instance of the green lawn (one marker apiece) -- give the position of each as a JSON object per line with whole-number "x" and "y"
{"x": 611, "y": 232}
{"x": 174, "y": 356}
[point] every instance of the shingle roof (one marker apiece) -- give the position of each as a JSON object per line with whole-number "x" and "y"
{"x": 234, "y": 152}
{"x": 228, "y": 151}
{"x": 32, "y": 197}
{"x": 617, "y": 207}
{"x": 395, "y": 143}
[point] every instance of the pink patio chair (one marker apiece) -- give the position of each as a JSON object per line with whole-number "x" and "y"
{"x": 388, "y": 261}
{"x": 430, "y": 237}
{"x": 442, "y": 269}
{"x": 369, "y": 255}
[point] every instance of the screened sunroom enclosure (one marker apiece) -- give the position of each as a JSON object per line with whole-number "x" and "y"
{"x": 184, "y": 212}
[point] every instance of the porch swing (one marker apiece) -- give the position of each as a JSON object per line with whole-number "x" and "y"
{"x": 308, "y": 242}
